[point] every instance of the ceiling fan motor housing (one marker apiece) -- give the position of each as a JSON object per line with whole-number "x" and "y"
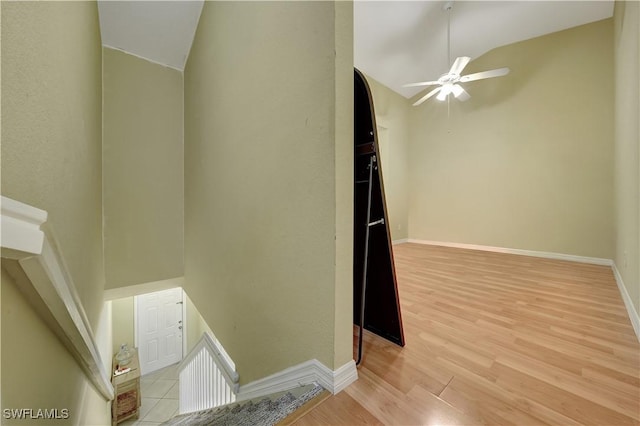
{"x": 448, "y": 82}
{"x": 449, "y": 78}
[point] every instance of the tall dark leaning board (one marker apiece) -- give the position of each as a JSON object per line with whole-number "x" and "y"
{"x": 373, "y": 266}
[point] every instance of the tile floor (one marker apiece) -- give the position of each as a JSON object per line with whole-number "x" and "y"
{"x": 159, "y": 391}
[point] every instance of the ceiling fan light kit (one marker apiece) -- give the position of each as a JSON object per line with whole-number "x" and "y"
{"x": 448, "y": 82}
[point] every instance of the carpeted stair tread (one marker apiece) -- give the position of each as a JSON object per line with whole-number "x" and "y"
{"x": 264, "y": 412}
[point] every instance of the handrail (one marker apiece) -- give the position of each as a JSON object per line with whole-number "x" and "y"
{"x": 206, "y": 342}
{"x": 37, "y": 265}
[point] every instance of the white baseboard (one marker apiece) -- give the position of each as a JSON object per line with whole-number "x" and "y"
{"x": 521, "y": 252}
{"x": 340, "y": 378}
{"x": 400, "y": 241}
{"x": 628, "y": 303}
{"x": 302, "y": 374}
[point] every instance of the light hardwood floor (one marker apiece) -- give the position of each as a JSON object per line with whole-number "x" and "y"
{"x": 496, "y": 339}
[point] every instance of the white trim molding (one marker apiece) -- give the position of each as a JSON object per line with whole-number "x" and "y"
{"x": 344, "y": 376}
{"x": 31, "y": 256}
{"x": 520, "y": 252}
{"x": 20, "y": 229}
{"x": 312, "y": 371}
{"x": 628, "y": 303}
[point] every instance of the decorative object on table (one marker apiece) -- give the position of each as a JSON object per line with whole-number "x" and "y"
{"x": 124, "y": 355}
{"x": 121, "y": 370}
{"x": 126, "y": 385}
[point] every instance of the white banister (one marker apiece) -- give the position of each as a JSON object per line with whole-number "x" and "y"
{"x": 206, "y": 378}
{"x": 31, "y": 256}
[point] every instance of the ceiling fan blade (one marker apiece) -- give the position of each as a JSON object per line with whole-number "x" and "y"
{"x": 460, "y": 93}
{"x": 427, "y": 96}
{"x": 459, "y": 64}
{"x": 485, "y": 74}
{"x": 422, "y": 83}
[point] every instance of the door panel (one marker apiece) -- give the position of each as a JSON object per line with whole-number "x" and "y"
{"x": 152, "y": 350}
{"x": 159, "y": 329}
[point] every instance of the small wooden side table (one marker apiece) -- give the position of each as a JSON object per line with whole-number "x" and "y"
{"x": 126, "y": 403}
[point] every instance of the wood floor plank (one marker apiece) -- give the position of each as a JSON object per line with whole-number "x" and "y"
{"x": 304, "y": 409}
{"x": 404, "y": 370}
{"x": 497, "y": 339}
{"x": 498, "y": 406}
{"x": 418, "y": 406}
{"x": 606, "y": 396}
{"x": 561, "y": 401}
{"x": 340, "y": 409}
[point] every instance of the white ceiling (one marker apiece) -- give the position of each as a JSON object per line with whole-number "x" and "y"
{"x": 395, "y": 42}
{"x": 160, "y": 31}
{"x": 399, "y": 42}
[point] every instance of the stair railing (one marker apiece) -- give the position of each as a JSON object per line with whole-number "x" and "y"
{"x": 206, "y": 378}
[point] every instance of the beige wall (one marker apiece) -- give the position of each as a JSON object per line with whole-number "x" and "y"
{"x": 392, "y": 117}
{"x": 196, "y": 325}
{"x": 527, "y": 161}
{"x": 37, "y": 369}
{"x": 343, "y": 183}
{"x": 627, "y": 139}
{"x": 51, "y": 159}
{"x": 261, "y": 170}
{"x": 122, "y": 323}
{"x": 143, "y": 170}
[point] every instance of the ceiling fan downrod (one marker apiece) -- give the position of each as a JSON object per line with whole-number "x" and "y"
{"x": 447, "y": 7}
{"x": 449, "y": 83}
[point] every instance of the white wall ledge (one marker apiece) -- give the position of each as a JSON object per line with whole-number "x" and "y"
{"x": 20, "y": 232}
{"x": 36, "y": 264}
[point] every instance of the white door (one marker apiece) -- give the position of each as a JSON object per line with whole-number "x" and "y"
{"x": 159, "y": 329}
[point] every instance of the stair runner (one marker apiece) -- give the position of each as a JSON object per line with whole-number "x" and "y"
{"x": 266, "y": 411}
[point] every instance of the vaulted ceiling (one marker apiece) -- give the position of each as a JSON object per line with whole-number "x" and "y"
{"x": 160, "y": 31}
{"x": 395, "y": 42}
{"x": 398, "y": 42}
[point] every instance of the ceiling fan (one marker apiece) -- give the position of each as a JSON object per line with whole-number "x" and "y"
{"x": 448, "y": 83}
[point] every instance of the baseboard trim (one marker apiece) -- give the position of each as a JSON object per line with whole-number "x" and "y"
{"x": 521, "y": 252}
{"x": 341, "y": 378}
{"x": 400, "y": 241}
{"x": 628, "y": 303}
{"x": 302, "y": 374}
